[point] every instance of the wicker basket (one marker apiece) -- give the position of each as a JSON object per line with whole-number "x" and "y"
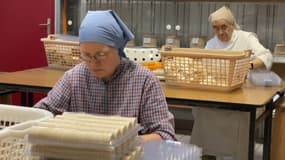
{"x": 205, "y": 69}
{"x": 14, "y": 122}
{"x": 62, "y": 51}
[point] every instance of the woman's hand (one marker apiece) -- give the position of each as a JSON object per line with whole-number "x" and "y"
{"x": 148, "y": 137}
{"x": 256, "y": 64}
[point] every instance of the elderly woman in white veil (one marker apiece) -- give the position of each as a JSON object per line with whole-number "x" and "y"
{"x": 224, "y": 133}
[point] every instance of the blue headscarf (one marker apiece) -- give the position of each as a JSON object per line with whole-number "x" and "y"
{"x": 105, "y": 27}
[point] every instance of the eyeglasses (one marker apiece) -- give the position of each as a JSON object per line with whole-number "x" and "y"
{"x": 222, "y": 28}
{"x": 97, "y": 57}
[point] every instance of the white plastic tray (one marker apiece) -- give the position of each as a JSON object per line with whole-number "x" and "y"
{"x": 141, "y": 55}
{"x": 14, "y": 124}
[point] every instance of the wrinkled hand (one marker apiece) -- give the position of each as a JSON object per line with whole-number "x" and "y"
{"x": 250, "y": 66}
{"x": 249, "y": 52}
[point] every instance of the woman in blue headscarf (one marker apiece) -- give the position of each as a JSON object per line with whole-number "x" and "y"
{"x": 108, "y": 83}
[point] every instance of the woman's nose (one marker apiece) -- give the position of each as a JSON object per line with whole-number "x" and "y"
{"x": 220, "y": 31}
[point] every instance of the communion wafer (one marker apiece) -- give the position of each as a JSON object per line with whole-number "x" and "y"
{"x": 67, "y": 136}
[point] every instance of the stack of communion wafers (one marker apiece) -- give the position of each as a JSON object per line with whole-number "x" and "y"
{"x": 83, "y": 136}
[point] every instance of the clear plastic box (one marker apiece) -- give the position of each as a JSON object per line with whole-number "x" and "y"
{"x": 264, "y": 78}
{"x": 171, "y": 150}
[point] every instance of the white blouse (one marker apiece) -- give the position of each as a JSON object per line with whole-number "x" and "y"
{"x": 242, "y": 40}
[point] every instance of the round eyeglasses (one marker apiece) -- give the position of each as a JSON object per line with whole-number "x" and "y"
{"x": 222, "y": 28}
{"x": 97, "y": 57}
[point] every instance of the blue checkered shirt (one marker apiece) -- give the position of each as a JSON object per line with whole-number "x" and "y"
{"x": 133, "y": 91}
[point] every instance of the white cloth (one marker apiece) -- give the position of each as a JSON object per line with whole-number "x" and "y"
{"x": 224, "y": 13}
{"x": 224, "y": 132}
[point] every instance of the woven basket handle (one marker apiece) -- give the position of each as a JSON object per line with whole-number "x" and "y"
{"x": 248, "y": 52}
{"x": 51, "y": 36}
{"x": 167, "y": 47}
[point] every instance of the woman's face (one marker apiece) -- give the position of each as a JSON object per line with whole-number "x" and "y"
{"x": 102, "y": 60}
{"x": 223, "y": 29}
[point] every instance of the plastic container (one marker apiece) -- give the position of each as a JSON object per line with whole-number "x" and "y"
{"x": 149, "y": 41}
{"x": 197, "y": 42}
{"x": 142, "y": 55}
{"x": 15, "y": 122}
{"x": 173, "y": 40}
{"x": 170, "y": 150}
{"x": 264, "y": 78}
{"x": 279, "y": 49}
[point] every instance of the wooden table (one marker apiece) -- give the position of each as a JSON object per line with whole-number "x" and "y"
{"x": 29, "y": 81}
{"x": 5, "y": 96}
{"x": 247, "y": 99}
{"x": 39, "y": 79}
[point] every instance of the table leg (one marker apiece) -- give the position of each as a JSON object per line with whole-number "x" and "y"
{"x": 251, "y": 134}
{"x": 27, "y": 97}
{"x": 6, "y": 96}
{"x": 30, "y": 99}
{"x": 267, "y": 132}
{"x": 23, "y": 98}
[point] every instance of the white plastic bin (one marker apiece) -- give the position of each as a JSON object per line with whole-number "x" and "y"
{"x": 14, "y": 124}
